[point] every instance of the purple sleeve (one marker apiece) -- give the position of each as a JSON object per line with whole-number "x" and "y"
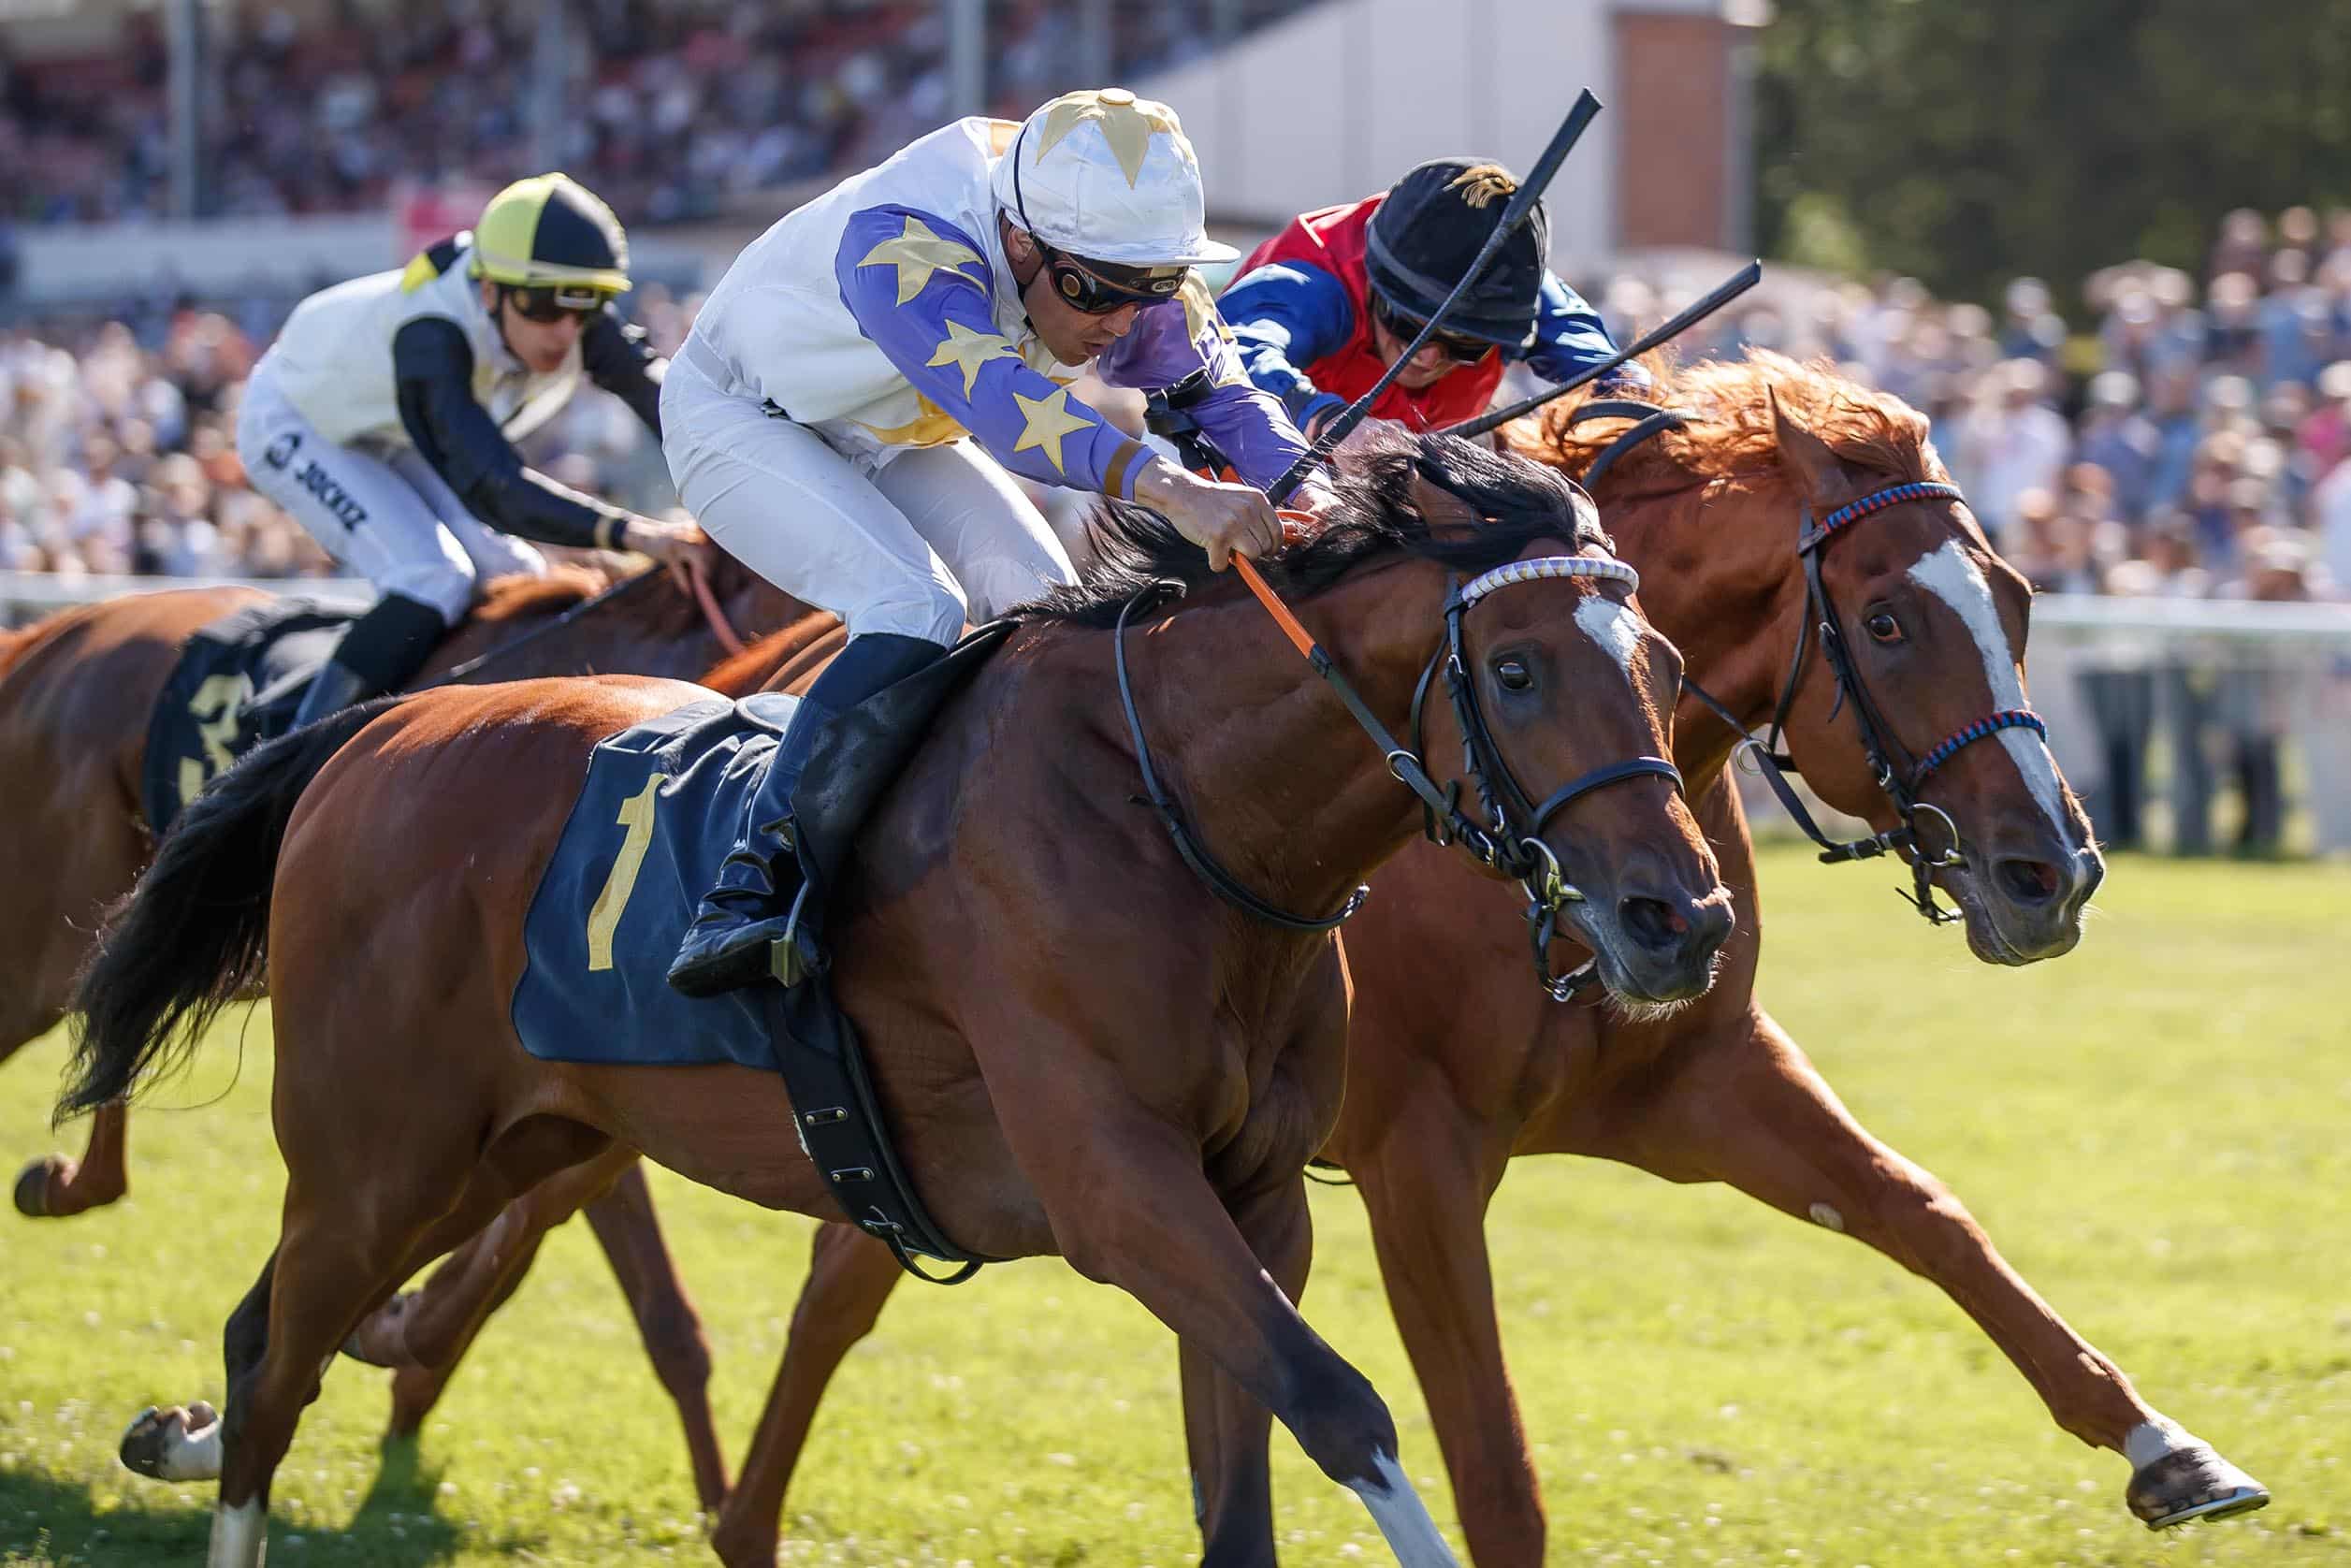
{"x": 1172, "y": 340}
{"x": 942, "y": 336}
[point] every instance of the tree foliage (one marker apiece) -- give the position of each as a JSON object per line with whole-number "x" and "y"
{"x": 1966, "y": 141}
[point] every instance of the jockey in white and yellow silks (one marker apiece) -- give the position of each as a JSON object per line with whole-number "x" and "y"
{"x": 856, "y": 387}
{"x": 386, "y": 414}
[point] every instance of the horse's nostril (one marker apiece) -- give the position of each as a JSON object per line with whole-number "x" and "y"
{"x": 1651, "y": 922}
{"x": 2028, "y": 881}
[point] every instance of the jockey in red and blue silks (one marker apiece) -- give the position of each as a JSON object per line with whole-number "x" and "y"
{"x": 1322, "y": 308}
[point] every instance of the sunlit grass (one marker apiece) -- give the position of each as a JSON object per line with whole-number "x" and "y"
{"x": 2154, "y": 1130}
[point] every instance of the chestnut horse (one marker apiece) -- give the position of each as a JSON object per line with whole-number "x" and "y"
{"x": 77, "y": 691}
{"x": 981, "y": 955}
{"x": 1442, "y": 1094}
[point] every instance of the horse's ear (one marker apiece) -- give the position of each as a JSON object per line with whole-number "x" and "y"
{"x": 1804, "y": 456}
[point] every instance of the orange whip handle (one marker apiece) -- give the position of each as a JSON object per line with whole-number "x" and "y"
{"x": 1300, "y": 637}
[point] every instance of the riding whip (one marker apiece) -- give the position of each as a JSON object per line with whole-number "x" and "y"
{"x": 1697, "y": 311}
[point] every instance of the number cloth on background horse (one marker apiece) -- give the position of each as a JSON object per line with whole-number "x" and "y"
{"x": 85, "y": 693}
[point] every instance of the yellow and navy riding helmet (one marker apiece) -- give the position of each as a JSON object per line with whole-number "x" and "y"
{"x": 550, "y": 231}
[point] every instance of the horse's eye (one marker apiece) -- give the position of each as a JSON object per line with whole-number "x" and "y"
{"x": 1512, "y": 673}
{"x": 1884, "y": 627}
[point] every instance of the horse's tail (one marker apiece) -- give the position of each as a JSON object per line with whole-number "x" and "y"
{"x": 195, "y": 933}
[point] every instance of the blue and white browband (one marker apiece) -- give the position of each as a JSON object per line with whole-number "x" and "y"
{"x": 1606, "y": 569}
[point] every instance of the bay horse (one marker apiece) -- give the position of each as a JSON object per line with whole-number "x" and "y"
{"x": 77, "y": 692}
{"x": 984, "y": 956}
{"x": 1445, "y": 1087}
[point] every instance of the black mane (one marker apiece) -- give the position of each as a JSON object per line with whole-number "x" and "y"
{"x": 1518, "y": 501}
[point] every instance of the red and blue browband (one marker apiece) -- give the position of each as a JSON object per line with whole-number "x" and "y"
{"x": 1877, "y": 500}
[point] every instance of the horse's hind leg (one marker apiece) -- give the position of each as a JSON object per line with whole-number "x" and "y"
{"x": 58, "y": 1186}
{"x": 1426, "y": 1180}
{"x": 1752, "y": 1113}
{"x": 62, "y": 875}
{"x": 428, "y": 1330}
{"x": 631, "y": 1232}
{"x": 424, "y": 1334}
{"x": 851, "y": 1276}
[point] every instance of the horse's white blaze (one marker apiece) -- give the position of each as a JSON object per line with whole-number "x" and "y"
{"x": 191, "y": 1455}
{"x": 1612, "y": 626}
{"x": 1951, "y": 574}
{"x": 240, "y": 1536}
{"x": 1403, "y": 1518}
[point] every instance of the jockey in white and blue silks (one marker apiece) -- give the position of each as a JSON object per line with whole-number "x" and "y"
{"x": 856, "y": 387}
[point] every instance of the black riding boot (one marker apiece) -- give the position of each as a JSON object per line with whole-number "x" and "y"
{"x": 380, "y": 652}
{"x": 729, "y": 944}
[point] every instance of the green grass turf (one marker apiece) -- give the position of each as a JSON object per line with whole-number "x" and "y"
{"x": 2152, "y": 1129}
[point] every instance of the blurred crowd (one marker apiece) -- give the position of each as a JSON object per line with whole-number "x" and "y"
{"x": 118, "y": 448}
{"x": 669, "y": 105}
{"x": 2190, "y": 440}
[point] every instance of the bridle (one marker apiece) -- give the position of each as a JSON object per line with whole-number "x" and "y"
{"x": 1900, "y": 780}
{"x": 1509, "y": 840}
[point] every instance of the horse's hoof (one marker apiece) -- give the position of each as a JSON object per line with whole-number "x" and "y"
{"x": 32, "y": 1187}
{"x": 381, "y": 1337}
{"x": 157, "y": 1444}
{"x": 2191, "y": 1483}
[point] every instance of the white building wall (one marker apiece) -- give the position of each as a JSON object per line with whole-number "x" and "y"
{"x": 1336, "y": 101}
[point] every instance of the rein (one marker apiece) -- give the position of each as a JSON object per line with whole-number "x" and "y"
{"x": 721, "y": 627}
{"x": 1510, "y": 841}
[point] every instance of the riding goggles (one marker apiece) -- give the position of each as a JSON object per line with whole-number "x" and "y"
{"x": 1452, "y": 345}
{"x": 1096, "y": 288}
{"x": 552, "y": 302}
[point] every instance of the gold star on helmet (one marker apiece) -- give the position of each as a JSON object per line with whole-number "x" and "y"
{"x": 1048, "y": 420}
{"x": 916, "y": 253}
{"x": 968, "y": 351}
{"x": 1126, "y": 123}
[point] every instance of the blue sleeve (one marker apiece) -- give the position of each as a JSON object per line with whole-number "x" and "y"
{"x": 1285, "y": 316}
{"x": 1170, "y": 342}
{"x": 1569, "y": 336}
{"x": 922, "y": 291}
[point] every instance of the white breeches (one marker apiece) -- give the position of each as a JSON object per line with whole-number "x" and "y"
{"x": 387, "y": 515}
{"x": 915, "y": 544}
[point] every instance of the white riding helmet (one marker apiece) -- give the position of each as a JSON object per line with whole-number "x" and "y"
{"x": 1108, "y": 177}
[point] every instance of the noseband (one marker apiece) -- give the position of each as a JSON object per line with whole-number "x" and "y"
{"x": 1900, "y": 784}
{"x": 1510, "y": 840}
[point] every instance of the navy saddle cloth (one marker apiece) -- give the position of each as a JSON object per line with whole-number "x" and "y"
{"x": 236, "y": 684}
{"x": 663, "y": 803}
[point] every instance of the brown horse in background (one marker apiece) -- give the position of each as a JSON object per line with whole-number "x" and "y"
{"x": 77, "y": 692}
{"x": 1445, "y": 1088}
{"x": 982, "y": 955}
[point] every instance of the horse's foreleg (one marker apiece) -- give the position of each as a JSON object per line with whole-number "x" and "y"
{"x": 1426, "y": 1182}
{"x": 850, "y": 1275}
{"x": 1755, "y": 1114}
{"x": 1131, "y": 1207}
{"x": 631, "y": 1233}
{"x": 56, "y": 1186}
{"x": 1226, "y": 1430}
